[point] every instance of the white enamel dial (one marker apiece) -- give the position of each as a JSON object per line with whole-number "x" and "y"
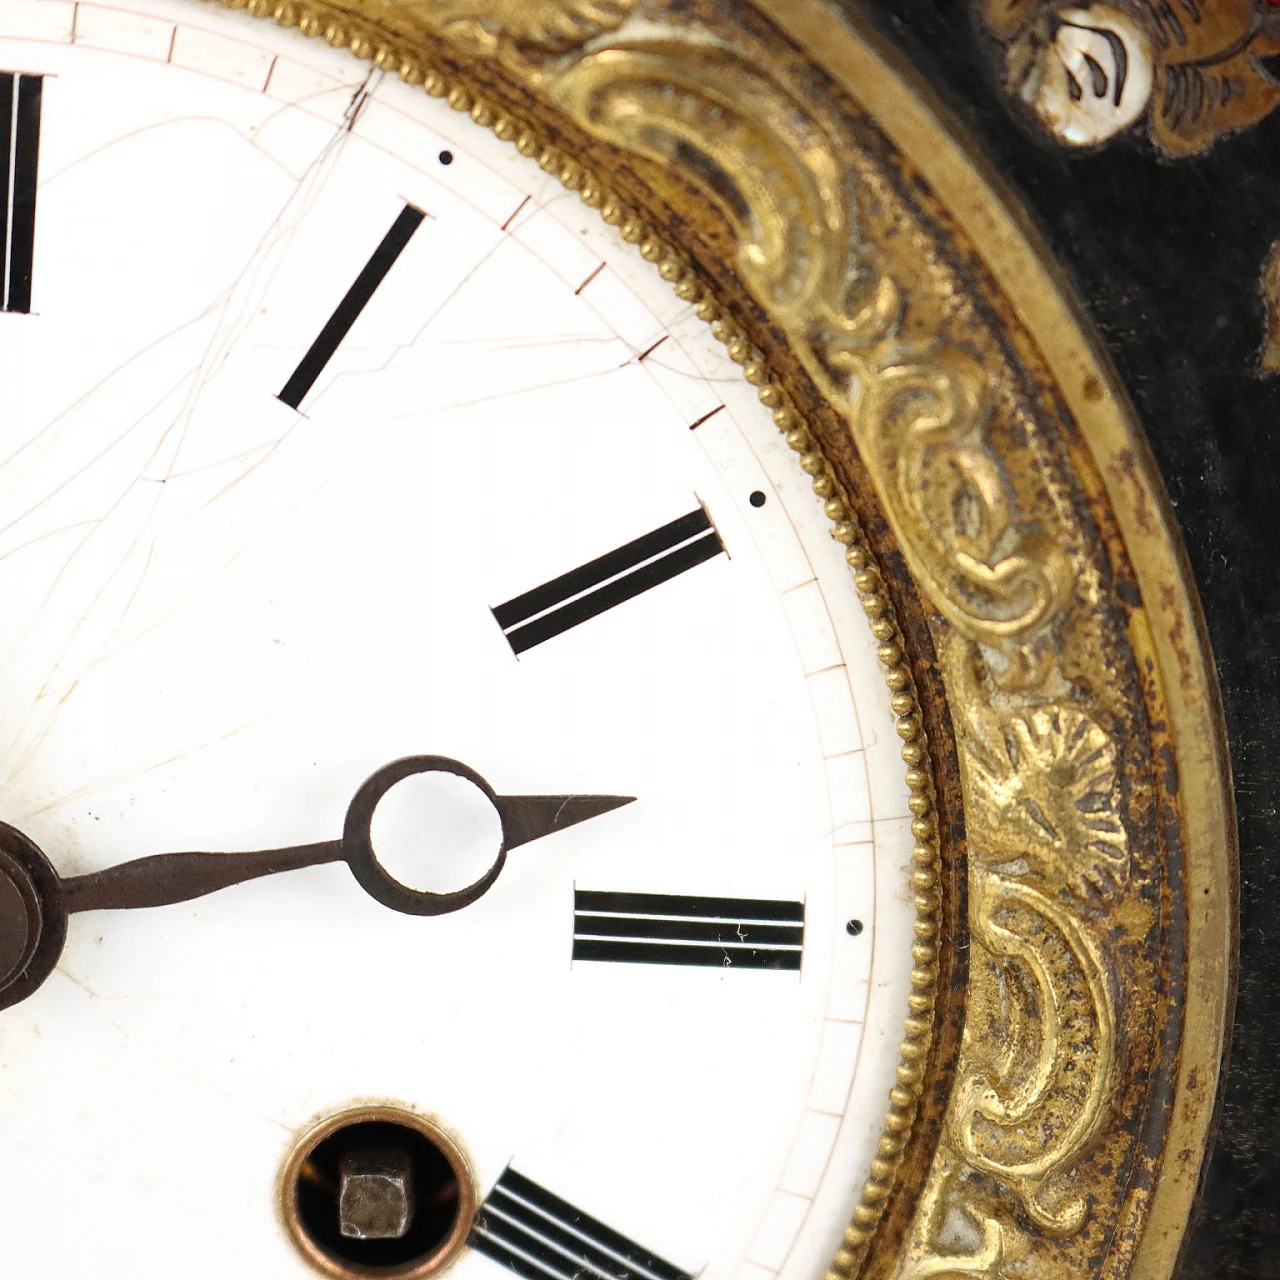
{"x": 249, "y": 556}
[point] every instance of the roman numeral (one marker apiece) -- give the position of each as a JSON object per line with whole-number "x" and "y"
{"x": 666, "y": 928}
{"x": 610, "y": 580}
{"x": 20, "y": 97}
{"x": 339, "y": 325}
{"x": 541, "y": 1237}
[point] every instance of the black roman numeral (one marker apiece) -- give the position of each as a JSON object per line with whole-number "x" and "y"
{"x": 20, "y": 97}
{"x": 620, "y": 575}
{"x": 541, "y": 1237}
{"x": 339, "y": 325}
{"x": 666, "y": 928}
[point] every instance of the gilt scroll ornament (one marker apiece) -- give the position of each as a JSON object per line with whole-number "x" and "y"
{"x": 522, "y": 32}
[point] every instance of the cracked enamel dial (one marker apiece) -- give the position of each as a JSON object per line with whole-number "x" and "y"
{"x": 334, "y": 433}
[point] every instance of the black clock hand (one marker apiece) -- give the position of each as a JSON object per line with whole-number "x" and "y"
{"x": 166, "y": 878}
{"x": 35, "y": 901}
{"x": 163, "y": 879}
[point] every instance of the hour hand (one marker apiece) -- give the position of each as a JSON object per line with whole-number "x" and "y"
{"x": 166, "y": 878}
{"x": 35, "y": 901}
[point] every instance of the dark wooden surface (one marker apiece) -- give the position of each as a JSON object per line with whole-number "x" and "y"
{"x": 1166, "y": 257}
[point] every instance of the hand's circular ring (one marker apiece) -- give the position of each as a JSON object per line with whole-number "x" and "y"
{"x": 358, "y": 851}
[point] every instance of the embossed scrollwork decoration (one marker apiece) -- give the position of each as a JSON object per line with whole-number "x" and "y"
{"x": 999, "y": 582}
{"x": 775, "y": 175}
{"x": 522, "y": 32}
{"x": 1025, "y": 1116}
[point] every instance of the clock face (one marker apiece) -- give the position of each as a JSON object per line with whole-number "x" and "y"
{"x": 334, "y": 432}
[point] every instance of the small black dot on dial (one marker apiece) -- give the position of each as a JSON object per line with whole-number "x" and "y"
{"x": 446, "y": 157}
{"x": 853, "y": 928}
{"x": 757, "y": 499}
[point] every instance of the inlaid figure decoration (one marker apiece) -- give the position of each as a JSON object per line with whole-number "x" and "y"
{"x": 1188, "y": 72}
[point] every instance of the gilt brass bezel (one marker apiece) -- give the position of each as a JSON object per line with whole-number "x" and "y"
{"x": 1074, "y": 874}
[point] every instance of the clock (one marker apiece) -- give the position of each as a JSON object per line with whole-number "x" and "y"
{"x": 596, "y": 678}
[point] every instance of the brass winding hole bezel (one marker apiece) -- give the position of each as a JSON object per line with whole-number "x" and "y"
{"x": 435, "y": 1262}
{"x": 936, "y": 913}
